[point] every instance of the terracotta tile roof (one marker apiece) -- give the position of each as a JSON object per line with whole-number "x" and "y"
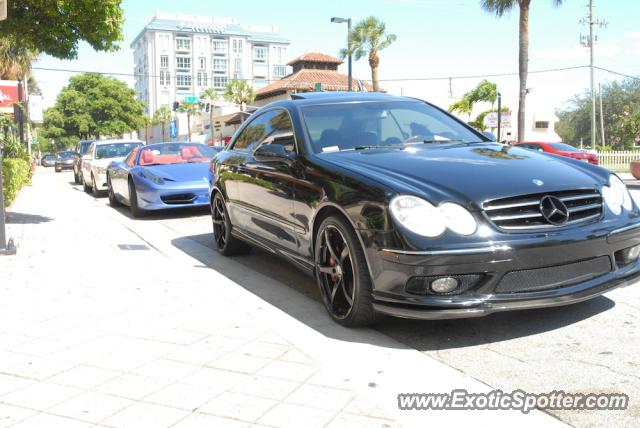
{"x": 305, "y": 79}
{"x": 316, "y": 57}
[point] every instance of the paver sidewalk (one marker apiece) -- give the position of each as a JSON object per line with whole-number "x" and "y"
{"x": 105, "y": 322}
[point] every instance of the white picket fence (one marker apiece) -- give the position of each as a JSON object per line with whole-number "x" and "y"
{"x": 618, "y": 161}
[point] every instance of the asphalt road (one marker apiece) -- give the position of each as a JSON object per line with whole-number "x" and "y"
{"x": 591, "y": 347}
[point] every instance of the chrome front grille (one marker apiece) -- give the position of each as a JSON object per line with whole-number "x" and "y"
{"x": 524, "y": 212}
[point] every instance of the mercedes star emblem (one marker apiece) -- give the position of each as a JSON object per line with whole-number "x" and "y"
{"x": 554, "y": 211}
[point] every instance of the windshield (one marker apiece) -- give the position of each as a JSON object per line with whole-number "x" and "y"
{"x": 114, "y": 150}
{"x": 173, "y": 153}
{"x": 334, "y": 127}
{"x": 66, "y": 155}
{"x": 561, "y": 147}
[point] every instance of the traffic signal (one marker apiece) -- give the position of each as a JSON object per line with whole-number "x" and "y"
{"x": 207, "y": 107}
{"x": 176, "y": 105}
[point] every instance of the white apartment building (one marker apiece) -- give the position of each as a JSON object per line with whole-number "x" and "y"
{"x": 178, "y": 56}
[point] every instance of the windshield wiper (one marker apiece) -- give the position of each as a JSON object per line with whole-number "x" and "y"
{"x": 372, "y": 147}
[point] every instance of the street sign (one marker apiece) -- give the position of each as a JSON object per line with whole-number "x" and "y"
{"x": 191, "y": 99}
{"x": 173, "y": 129}
{"x": 491, "y": 120}
{"x": 9, "y": 95}
{"x": 35, "y": 108}
{"x": 317, "y": 87}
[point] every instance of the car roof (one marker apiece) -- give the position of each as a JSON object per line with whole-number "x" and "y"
{"x": 316, "y": 98}
{"x": 116, "y": 141}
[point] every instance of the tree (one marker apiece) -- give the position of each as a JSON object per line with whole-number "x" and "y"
{"x": 56, "y": 27}
{"x": 191, "y": 109}
{"x": 367, "y": 38}
{"x": 501, "y": 7}
{"x": 485, "y": 91}
{"x": 211, "y": 94}
{"x": 15, "y": 62}
{"x": 239, "y": 92}
{"x": 617, "y": 97}
{"x": 92, "y": 106}
{"x": 163, "y": 116}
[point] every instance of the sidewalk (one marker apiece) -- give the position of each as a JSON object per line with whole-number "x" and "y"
{"x": 108, "y": 321}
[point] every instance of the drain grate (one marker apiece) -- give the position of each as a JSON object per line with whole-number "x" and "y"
{"x": 133, "y": 247}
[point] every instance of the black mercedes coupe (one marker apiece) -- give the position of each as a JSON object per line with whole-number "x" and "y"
{"x": 397, "y": 207}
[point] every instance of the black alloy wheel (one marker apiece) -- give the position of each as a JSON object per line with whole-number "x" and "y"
{"x": 227, "y": 244}
{"x": 113, "y": 201}
{"x": 136, "y": 212}
{"x": 342, "y": 274}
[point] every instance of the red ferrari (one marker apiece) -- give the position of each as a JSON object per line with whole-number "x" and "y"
{"x": 562, "y": 150}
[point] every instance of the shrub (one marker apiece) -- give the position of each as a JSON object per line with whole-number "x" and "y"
{"x": 15, "y": 174}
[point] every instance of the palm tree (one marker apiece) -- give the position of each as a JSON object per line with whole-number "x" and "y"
{"x": 191, "y": 109}
{"x": 212, "y": 95}
{"x": 239, "y": 92}
{"x": 500, "y": 7}
{"x": 14, "y": 62}
{"x": 367, "y": 38}
{"x": 162, "y": 116}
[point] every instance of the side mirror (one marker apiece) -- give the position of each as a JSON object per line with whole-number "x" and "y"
{"x": 273, "y": 153}
{"x": 489, "y": 135}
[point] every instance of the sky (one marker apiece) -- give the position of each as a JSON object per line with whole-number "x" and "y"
{"x": 435, "y": 38}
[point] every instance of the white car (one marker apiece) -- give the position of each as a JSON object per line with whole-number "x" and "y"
{"x": 101, "y": 153}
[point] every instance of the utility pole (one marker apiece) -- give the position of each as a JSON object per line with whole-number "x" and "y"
{"x": 590, "y": 41}
{"x": 499, "y": 115}
{"x": 601, "y": 117}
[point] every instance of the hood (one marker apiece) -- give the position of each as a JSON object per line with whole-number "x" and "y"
{"x": 195, "y": 171}
{"x": 470, "y": 173}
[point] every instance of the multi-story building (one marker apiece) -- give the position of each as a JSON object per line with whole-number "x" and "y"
{"x": 178, "y": 56}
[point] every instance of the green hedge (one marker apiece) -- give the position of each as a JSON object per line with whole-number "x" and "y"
{"x": 15, "y": 174}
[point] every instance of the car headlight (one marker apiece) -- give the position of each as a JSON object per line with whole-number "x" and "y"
{"x": 425, "y": 219}
{"x": 616, "y": 195}
{"x": 152, "y": 177}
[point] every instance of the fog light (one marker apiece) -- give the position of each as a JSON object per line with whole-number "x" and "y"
{"x": 628, "y": 255}
{"x": 444, "y": 285}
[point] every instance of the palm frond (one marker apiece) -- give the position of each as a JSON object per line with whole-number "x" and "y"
{"x": 499, "y": 7}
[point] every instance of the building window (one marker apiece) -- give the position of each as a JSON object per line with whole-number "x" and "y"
{"x": 279, "y": 54}
{"x": 237, "y": 46}
{"x": 259, "y": 53}
{"x": 165, "y": 78}
{"x": 183, "y": 44}
{"x": 164, "y": 61}
{"x": 542, "y": 124}
{"x": 220, "y": 81}
{"x": 237, "y": 68}
{"x": 183, "y": 63}
{"x": 220, "y": 46}
{"x": 164, "y": 41}
{"x": 220, "y": 64}
{"x": 183, "y": 81}
{"x": 203, "y": 79}
{"x": 279, "y": 70}
{"x": 203, "y": 63}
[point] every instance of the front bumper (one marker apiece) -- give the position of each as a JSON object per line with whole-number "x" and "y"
{"x": 63, "y": 165}
{"x": 168, "y": 196}
{"x": 391, "y": 272}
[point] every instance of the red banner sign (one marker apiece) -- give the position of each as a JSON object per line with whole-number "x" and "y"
{"x": 9, "y": 95}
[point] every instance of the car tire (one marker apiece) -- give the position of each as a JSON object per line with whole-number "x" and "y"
{"x": 76, "y": 177}
{"x": 342, "y": 274}
{"x": 94, "y": 187}
{"x": 225, "y": 242}
{"x": 113, "y": 201}
{"x": 136, "y": 212}
{"x": 85, "y": 186}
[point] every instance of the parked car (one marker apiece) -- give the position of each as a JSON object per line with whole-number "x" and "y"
{"x": 64, "y": 160}
{"x": 399, "y": 208}
{"x": 98, "y": 157}
{"x": 161, "y": 176}
{"x": 561, "y": 149}
{"x": 81, "y": 149}
{"x": 48, "y": 160}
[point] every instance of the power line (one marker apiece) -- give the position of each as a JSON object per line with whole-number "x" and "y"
{"x": 617, "y": 73}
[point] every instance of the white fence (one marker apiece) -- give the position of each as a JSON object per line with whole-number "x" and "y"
{"x": 618, "y": 161}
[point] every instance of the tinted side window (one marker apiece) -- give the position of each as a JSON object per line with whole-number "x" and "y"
{"x": 255, "y": 132}
{"x": 281, "y": 132}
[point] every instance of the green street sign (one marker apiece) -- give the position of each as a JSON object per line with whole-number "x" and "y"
{"x": 191, "y": 99}
{"x": 317, "y": 87}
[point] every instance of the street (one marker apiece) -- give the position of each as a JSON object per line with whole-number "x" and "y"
{"x": 135, "y": 294}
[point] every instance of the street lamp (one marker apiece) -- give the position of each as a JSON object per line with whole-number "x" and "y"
{"x": 337, "y": 20}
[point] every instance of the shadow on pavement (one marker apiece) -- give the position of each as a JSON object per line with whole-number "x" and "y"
{"x": 21, "y": 218}
{"x": 421, "y": 335}
{"x": 166, "y": 214}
